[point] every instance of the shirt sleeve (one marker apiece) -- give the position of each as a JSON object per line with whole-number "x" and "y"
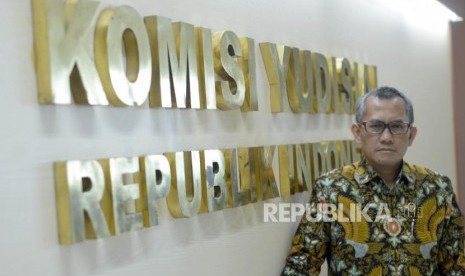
{"x": 451, "y": 243}
{"x": 309, "y": 246}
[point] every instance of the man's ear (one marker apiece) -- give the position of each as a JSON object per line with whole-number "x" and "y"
{"x": 356, "y": 131}
{"x": 413, "y": 134}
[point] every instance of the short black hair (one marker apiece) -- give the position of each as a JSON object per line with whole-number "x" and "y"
{"x": 384, "y": 92}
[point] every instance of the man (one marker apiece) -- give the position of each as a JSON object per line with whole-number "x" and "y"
{"x": 392, "y": 218}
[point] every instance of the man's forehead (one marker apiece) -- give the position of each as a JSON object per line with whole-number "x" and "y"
{"x": 394, "y": 103}
{"x": 393, "y": 106}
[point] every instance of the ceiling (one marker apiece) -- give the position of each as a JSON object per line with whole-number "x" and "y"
{"x": 458, "y": 6}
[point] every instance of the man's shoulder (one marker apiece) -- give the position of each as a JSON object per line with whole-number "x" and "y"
{"x": 345, "y": 172}
{"x": 423, "y": 173}
{"x": 429, "y": 179}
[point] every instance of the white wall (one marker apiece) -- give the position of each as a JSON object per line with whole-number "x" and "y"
{"x": 234, "y": 241}
{"x": 458, "y": 84}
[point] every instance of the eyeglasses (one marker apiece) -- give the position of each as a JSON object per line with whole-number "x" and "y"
{"x": 377, "y": 127}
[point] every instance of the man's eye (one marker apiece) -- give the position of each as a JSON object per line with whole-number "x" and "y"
{"x": 376, "y": 125}
{"x": 397, "y": 126}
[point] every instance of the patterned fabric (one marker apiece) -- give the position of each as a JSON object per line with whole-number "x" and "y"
{"x": 415, "y": 228}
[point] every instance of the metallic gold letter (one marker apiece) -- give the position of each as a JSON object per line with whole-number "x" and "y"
{"x": 249, "y": 70}
{"x": 125, "y": 191}
{"x": 286, "y": 169}
{"x": 345, "y": 152}
{"x": 187, "y": 168}
{"x": 364, "y": 79}
{"x": 304, "y": 168}
{"x": 64, "y": 63}
{"x": 122, "y": 56}
{"x": 294, "y": 82}
{"x": 216, "y": 192}
{"x": 307, "y": 96}
{"x": 332, "y": 156}
{"x": 173, "y": 45}
{"x": 248, "y": 170}
{"x": 230, "y": 91}
{"x": 356, "y": 151}
{"x": 276, "y": 61}
{"x": 80, "y": 187}
{"x": 333, "y": 76}
{"x": 319, "y": 159}
{"x": 239, "y": 196}
{"x": 371, "y": 80}
{"x": 345, "y": 101}
{"x": 268, "y": 186}
{"x": 322, "y": 83}
{"x": 206, "y": 71}
{"x": 156, "y": 170}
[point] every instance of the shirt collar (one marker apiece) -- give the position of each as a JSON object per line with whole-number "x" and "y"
{"x": 364, "y": 173}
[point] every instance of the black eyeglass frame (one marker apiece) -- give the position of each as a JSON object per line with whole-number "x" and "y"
{"x": 386, "y": 125}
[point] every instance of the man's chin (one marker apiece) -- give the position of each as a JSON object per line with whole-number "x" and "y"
{"x": 388, "y": 162}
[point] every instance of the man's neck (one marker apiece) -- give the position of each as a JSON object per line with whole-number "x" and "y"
{"x": 388, "y": 174}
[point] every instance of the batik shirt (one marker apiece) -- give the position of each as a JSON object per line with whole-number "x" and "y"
{"x": 363, "y": 227}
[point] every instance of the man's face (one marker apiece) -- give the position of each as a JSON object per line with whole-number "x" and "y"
{"x": 384, "y": 150}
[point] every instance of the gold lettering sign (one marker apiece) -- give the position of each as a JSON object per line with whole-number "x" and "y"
{"x": 318, "y": 84}
{"x": 98, "y": 199}
{"x": 119, "y": 58}
{"x": 135, "y": 59}
{"x": 177, "y": 65}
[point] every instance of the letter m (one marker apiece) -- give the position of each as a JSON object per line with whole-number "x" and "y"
{"x": 173, "y": 45}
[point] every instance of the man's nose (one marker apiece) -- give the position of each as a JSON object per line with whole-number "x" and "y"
{"x": 386, "y": 135}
